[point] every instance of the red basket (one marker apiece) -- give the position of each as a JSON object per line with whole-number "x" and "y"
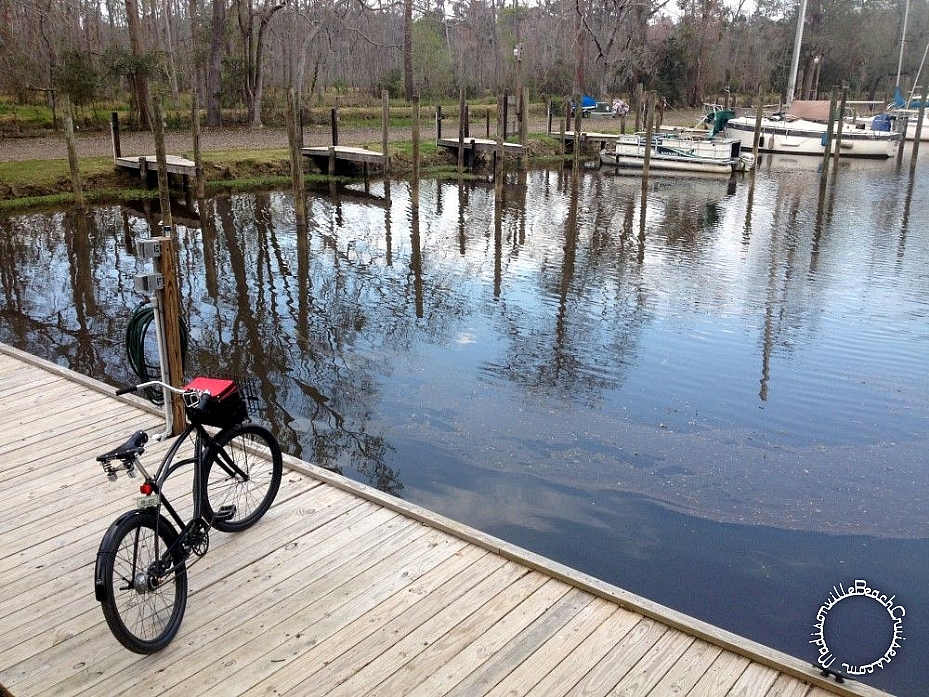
{"x": 226, "y": 406}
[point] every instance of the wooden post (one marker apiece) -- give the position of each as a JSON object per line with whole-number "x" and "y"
{"x": 649, "y": 133}
{"x": 564, "y": 124}
{"x": 438, "y": 122}
{"x": 296, "y": 161}
{"x": 639, "y": 95}
{"x": 166, "y": 264}
{"x": 332, "y": 161}
{"x": 487, "y": 122}
{"x": 550, "y": 106}
{"x": 506, "y": 114}
{"x": 467, "y": 120}
{"x": 498, "y": 151}
{"x": 756, "y": 141}
{"x": 415, "y": 128}
{"x": 524, "y": 127}
{"x": 198, "y": 157}
{"x": 827, "y": 148}
{"x": 143, "y": 171}
{"x": 334, "y": 119}
{"x": 72, "y": 154}
{"x": 841, "y": 120}
{"x": 461, "y": 130}
{"x": 114, "y": 134}
{"x": 578, "y": 122}
{"x": 157, "y": 121}
{"x": 385, "y": 127}
{"x": 902, "y": 125}
{"x": 919, "y": 131}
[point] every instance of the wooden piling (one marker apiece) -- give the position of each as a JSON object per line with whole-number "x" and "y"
{"x": 564, "y": 124}
{"x": 578, "y": 124}
{"x": 114, "y": 134}
{"x": 919, "y": 131}
{"x": 498, "y": 151}
{"x": 902, "y": 125}
{"x": 461, "y": 130}
{"x": 840, "y": 118}
{"x": 296, "y": 161}
{"x": 164, "y": 195}
{"x": 385, "y": 128}
{"x": 72, "y": 153}
{"x": 416, "y": 163}
{"x": 438, "y": 122}
{"x": 549, "y": 108}
{"x": 649, "y": 134}
{"x": 334, "y": 121}
{"x": 198, "y": 157}
{"x": 638, "y": 106}
{"x": 756, "y": 140}
{"x": 827, "y": 149}
{"x": 166, "y": 264}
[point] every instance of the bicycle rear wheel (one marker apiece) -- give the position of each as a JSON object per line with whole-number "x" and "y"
{"x": 143, "y": 594}
{"x": 243, "y": 473}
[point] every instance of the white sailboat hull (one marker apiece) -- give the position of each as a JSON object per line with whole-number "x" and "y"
{"x": 802, "y": 137}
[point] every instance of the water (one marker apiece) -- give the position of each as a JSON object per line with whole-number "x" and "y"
{"x": 721, "y": 406}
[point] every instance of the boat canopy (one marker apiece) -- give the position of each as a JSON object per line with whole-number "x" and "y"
{"x": 719, "y": 119}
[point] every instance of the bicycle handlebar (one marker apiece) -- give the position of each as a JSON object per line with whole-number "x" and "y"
{"x": 150, "y": 383}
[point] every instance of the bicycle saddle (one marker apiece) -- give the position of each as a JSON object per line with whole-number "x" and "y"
{"x": 127, "y": 450}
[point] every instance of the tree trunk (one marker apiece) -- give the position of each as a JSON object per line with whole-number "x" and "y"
{"x": 214, "y": 75}
{"x": 139, "y": 77}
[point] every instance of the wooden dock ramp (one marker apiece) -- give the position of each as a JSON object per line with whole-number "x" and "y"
{"x": 338, "y": 590}
{"x": 149, "y": 163}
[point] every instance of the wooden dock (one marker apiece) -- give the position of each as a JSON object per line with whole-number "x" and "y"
{"x": 149, "y": 163}
{"x": 338, "y": 590}
{"x": 587, "y": 137}
{"x": 345, "y": 153}
{"x": 479, "y": 145}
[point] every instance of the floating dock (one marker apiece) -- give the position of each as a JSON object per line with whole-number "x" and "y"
{"x": 339, "y": 590}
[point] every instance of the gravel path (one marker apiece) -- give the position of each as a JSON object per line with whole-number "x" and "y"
{"x": 143, "y": 143}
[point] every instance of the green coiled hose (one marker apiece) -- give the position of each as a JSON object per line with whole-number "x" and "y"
{"x": 136, "y": 332}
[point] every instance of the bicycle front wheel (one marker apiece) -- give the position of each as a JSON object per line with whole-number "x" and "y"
{"x": 144, "y": 591}
{"x": 243, "y": 473}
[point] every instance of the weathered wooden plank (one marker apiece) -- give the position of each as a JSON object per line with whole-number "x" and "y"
{"x": 428, "y": 648}
{"x": 476, "y": 652}
{"x": 720, "y": 676}
{"x": 530, "y": 671}
{"x": 688, "y": 669}
{"x": 295, "y": 638}
{"x": 654, "y": 665}
{"x": 366, "y": 638}
{"x": 755, "y": 681}
{"x": 617, "y": 663}
{"x": 429, "y": 644}
{"x": 508, "y": 657}
{"x": 94, "y": 654}
{"x": 786, "y": 686}
{"x": 566, "y": 674}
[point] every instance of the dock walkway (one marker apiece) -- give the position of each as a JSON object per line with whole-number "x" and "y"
{"x": 338, "y": 590}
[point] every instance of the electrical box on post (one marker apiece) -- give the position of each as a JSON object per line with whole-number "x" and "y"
{"x": 148, "y": 249}
{"x": 149, "y": 283}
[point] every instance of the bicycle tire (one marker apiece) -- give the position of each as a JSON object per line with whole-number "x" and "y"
{"x": 243, "y": 472}
{"x": 143, "y": 620}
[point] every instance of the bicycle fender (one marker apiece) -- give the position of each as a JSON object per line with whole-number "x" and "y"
{"x": 99, "y": 585}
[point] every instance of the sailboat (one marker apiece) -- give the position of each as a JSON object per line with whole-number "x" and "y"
{"x": 909, "y": 107}
{"x": 789, "y": 132}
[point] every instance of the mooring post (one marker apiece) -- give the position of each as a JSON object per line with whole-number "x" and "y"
{"x": 919, "y": 131}
{"x": 415, "y": 129}
{"x": 827, "y": 149}
{"x": 461, "y": 130}
{"x": 114, "y": 134}
{"x": 840, "y": 118}
{"x": 649, "y": 134}
{"x": 161, "y": 157}
{"x": 498, "y": 151}
{"x": 385, "y": 127}
{"x": 198, "y": 157}
{"x": 438, "y": 122}
{"x": 72, "y": 153}
{"x": 334, "y": 119}
{"x": 166, "y": 265}
{"x": 756, "y": 140}
{"x": 550, "y": 107}
{"x": 296, "y": 161}
{"x": 578, "y": 121}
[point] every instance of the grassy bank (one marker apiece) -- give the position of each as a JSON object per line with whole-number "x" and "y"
{"x": 30, "y": 183}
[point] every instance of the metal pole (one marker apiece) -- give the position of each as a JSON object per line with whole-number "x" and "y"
{"x": 795, "y": 61}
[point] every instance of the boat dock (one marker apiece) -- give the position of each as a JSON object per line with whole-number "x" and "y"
{"x": 479, "y": 145}
{"x": 339, "y": 590}
{"x": 586, "y": 137}
{"x": 325, "y": 153}
{"x": 149, "y": 163}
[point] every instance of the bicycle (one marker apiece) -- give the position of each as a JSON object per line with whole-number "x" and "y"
{"x": 140, "y": 577}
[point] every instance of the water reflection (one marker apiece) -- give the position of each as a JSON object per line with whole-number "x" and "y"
{"x": 751, "y": 351}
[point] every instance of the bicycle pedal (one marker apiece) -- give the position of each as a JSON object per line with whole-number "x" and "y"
{"x": 225, "y": 513}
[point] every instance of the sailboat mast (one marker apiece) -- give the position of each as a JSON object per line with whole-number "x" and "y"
{"x": 906, "y": 14}
{"x": 795, "y": 62}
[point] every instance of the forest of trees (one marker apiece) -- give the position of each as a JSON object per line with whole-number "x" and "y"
{"x": 241, "y": 54}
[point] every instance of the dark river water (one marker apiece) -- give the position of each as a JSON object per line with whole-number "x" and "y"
{"x": 721, "y": 404}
